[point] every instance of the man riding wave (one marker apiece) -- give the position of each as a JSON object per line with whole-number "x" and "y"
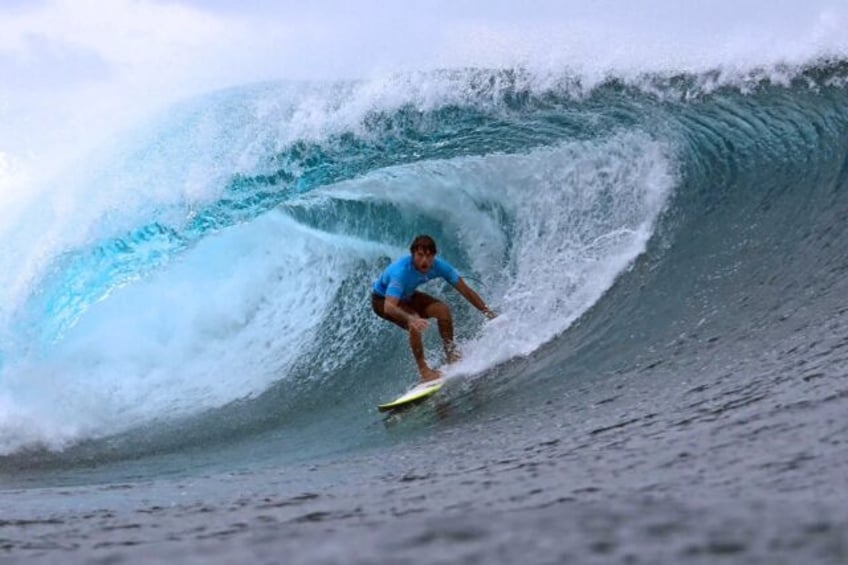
{"x": 395, "y": 298}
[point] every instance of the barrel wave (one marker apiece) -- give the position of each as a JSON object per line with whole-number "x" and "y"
{"x": 207, "y": 285}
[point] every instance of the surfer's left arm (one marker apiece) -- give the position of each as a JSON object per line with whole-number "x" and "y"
{"x": 473, "y": 298}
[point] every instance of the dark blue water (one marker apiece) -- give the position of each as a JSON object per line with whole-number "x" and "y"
{"x": 666, "y": 381}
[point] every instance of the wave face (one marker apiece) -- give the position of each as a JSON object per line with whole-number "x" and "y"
{"x": 206, "y": 279}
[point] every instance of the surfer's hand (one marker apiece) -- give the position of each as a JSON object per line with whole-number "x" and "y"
{"x": 417, "y": 323}
{"x": 489, "y": 314}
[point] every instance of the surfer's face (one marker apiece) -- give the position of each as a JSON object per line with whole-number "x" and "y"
{"x": 422, "y": 259}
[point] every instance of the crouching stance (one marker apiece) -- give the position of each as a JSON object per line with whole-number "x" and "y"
{"x": 395, "y": 299}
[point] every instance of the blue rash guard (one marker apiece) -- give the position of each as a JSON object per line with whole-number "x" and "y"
{"x": 401, "y": 278}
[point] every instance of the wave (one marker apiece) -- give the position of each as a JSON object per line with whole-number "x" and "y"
{"x": 216, "y": 263}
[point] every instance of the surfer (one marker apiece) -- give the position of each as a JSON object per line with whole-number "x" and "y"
{"x": 395, "y": 299}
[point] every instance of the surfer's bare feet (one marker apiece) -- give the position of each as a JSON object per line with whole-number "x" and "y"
{"x": 452, "y": 353}
{"x": 428, "y": 374}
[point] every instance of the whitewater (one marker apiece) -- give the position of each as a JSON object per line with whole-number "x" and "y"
{"x": 189, "y": 366}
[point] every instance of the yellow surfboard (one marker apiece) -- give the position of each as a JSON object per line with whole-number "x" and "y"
{"x": 416, "y": 394}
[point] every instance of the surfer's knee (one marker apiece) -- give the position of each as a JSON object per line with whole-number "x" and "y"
{"x": 440, "y": 311}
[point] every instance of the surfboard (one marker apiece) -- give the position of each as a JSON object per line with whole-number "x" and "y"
{"x": 416, "y": 394}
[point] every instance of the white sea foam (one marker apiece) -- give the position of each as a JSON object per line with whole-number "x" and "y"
{"x": 224, "y": 323}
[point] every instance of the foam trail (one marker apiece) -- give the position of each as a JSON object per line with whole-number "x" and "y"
{"x": 590, "y": 214}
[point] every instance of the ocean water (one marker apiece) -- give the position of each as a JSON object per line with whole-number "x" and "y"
{"x": 189, "y": 366}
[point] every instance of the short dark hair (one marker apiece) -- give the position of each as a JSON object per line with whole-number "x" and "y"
{"x": 424, "y": 242}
